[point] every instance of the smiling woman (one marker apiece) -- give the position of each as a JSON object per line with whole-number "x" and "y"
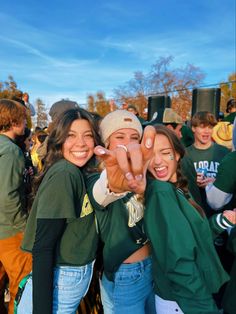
{"x": 126, "y": 281}
{"x": 61, "y": 232}
{"x": 163, "y": 165}
{"x": 79, "y": 145}
{"x": 187, "y": 270}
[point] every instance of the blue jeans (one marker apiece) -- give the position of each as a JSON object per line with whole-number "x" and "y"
{"x": 70, "y": 285}
{"x": 25, "y": 305}
{"x": 132, "y": 290}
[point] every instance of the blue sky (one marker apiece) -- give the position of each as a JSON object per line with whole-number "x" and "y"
{"x": 68, "y": 49}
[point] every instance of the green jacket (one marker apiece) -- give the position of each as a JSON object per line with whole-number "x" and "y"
{"x": 230, "y": 117}
{"x": 186, "y": 267}
{"x": 12, "y": 165}
{"x": 187, "y": 136}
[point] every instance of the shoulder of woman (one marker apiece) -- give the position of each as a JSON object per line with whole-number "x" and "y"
{"x": 64, "y": 166}
{"x": 62, "y": 172}
{"x": 160, "y": 185}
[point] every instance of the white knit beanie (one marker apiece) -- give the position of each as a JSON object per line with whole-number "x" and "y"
{"x": 116, "y": 120}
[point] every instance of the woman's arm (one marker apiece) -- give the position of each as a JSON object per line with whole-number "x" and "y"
{"x": 126, "y": 165}
{"x": 174, "y": 244}
{"x": 216, "y": 198}
{"x": 222, "y": 221}
{"x": 48, "y": 233}
{"x": 101, "y": 192}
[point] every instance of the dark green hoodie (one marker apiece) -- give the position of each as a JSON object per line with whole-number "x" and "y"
{"x": 12, "y": 165}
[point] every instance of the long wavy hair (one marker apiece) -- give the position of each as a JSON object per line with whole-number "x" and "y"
{"x": 181, "y": 182}
{"x": 58, "y": 136}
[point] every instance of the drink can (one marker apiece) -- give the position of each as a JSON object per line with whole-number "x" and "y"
{"x": 203, "y": 171}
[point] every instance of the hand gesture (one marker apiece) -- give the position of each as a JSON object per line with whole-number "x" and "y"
{"x": 126, "y": 166}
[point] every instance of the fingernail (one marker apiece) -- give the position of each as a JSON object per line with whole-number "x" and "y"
{"x": 148, "y": 143}
{"x": 139, "y": 177}
{"x": 101, "y": 151}
{"x": 129, "y": 176}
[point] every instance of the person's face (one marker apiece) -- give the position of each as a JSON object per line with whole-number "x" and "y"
{"x": 202, "y": 134}
{"x": 163, "y": 164}
{"x": 123, "y": 137}
{"x": 19, "y": 129}
{"x": 28, "y": 143}
{"x": 26, "y": 98}
{"x": 125, "y": 106}
{"x": 132, "y": 110}
{"x": 79, "y": 144}
{"x": 145, "y": 113}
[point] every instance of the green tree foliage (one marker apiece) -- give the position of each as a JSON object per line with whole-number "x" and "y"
{"x": 42, "y": 118}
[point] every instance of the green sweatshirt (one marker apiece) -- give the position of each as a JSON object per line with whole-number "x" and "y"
{"x": 12, "y": 165}
{"x": 186, "y": 267}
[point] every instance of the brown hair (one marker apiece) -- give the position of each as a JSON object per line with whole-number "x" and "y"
{"x": 177, "y": 147}
{"x": 205, "y": 118}
{"x": 230, "y": 105}
{"x": 57, "y": 138}
{"x": 11, "y": 113}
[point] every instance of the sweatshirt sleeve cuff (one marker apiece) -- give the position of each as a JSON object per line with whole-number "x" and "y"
{"x": 223, "y": 222}
{"x": 101, "y": 193}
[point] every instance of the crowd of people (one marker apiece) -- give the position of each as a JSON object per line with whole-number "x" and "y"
{"x": 117, "y": 214}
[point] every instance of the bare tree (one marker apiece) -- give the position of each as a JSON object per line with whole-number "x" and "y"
{"x": 163, "y": 80}
{"x": 42, "y": 118}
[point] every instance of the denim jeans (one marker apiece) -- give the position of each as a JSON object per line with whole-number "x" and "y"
{"x": 70, "y": 285}
{"x": 132, "y": 290}
{"x": 25, "y": 304}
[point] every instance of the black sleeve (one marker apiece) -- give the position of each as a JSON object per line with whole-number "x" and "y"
{"x": 48, "y": 233}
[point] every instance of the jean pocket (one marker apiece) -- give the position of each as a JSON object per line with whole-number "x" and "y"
{"x": 128, "y": 278}
{"x": 66, "y": 278}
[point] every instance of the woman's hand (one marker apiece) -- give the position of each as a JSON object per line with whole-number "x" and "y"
{"x": 203, "y": 181}
{"x": 126, "y": 166}
{"x": 230, "y": 215}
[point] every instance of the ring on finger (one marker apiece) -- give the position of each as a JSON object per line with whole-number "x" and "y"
{"x": 122, "y": 146}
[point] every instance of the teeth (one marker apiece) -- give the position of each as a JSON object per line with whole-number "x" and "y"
{"x": 159, "y": 168}
{"x": 79, "y": 154}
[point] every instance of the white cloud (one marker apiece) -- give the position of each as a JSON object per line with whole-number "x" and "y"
{"x": 52, "y": 66}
